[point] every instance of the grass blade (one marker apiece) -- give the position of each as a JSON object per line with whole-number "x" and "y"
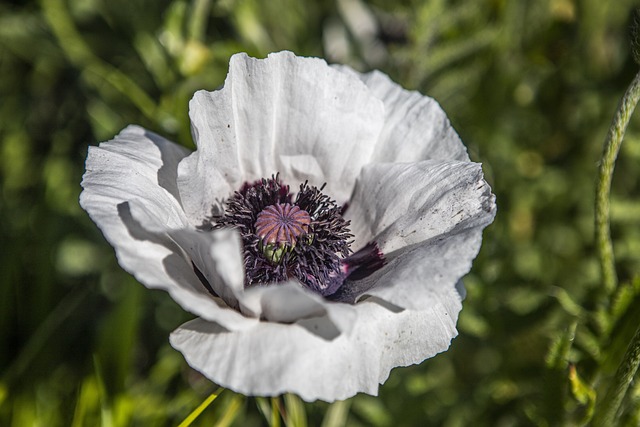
{"x": 196, "y": 412}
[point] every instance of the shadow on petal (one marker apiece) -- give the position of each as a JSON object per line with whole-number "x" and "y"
{"x": 415, "y": 273}
{"x": 462, "y": 291}
{"x": 175, "y": 265}
{"x": 137, "y": 231}
{"x": 322, "y": 327}
{"x": 168, "y": 172}
{"x": 205, "y": 327}
{"x": 386, "y": 304}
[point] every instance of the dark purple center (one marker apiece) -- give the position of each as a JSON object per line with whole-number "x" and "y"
{"x": 272, "y": 222}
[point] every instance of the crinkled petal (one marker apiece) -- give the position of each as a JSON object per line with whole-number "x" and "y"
{"x": 417, "y": 277}
{"x": 282, "y": 302}
{"x": 136, "y": 164}
{"x": 427, "y": 218}
{"x": 401, "y": 204}
{"x": 134, "y": 175}
{"x": 212, "y": 172}
{"x": 273, "y": 358}
{"x": 290, "y": 301}
{"x": 218, "y": 256}
{"x": 415, "y": 126}
{"x": 286, "y": 114}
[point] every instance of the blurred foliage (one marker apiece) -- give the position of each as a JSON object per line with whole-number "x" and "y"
{"x": 530, "y": 86}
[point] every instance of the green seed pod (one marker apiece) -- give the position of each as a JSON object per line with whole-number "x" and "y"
{"x": 275, "y": 251}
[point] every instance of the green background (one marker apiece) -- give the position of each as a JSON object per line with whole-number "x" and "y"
{"x": 531, "y": 88}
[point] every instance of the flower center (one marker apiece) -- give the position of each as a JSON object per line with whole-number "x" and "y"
{"x": 282, "y": 223}
{"x": 278, "y": 226}
{"x": 301, "y": 236}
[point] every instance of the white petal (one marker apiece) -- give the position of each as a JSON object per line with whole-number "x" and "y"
{"x": 290, "y": 301}
{"x": 218, "y": 256}
{"x": 289, "y": 106}
{"x": 282, "y": 302}
{"x": 273, "y": 358}
{"x": 415, "y": 126}
{"x": 401, "y": 204}
{"x": 286, "y": 114}
{"x": 419, "y": 277}
{"x": 427, "y": 218}
{"x": 137, "y": 164}
{"x": 213, "y": 172}
{"x": 136, "y": 172}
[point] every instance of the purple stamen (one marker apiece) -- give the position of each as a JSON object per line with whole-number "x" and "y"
{"x": 303, "y": 237}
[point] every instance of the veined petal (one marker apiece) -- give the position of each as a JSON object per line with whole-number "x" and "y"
{"x": 415, "y": 126}
{"x": 285, "y": 302}
{"x": 133, "y": 176}
{"x": 401, "y": 204}
{"x": 136, "y": 164}
{"x": 212, "y": 172}
{"x": 218, "y": 256}
{"x": 429, "y": 232}
{"x": 293, "y": 359}
{"x": 420, "y": 276}
{"x": 287, "y": 114}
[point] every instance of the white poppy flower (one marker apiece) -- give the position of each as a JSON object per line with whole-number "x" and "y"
{"x": 320, "y": 291}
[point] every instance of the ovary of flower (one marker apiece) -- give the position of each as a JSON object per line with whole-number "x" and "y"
{"x": 282, "y": 223}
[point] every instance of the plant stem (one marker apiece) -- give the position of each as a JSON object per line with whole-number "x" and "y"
{"x": 611, "y": 149}
{"x": 605, "y": 415}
